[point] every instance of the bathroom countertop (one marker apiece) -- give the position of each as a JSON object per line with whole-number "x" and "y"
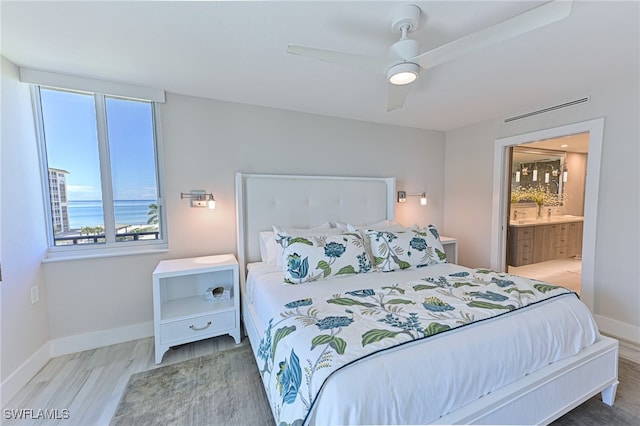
{"x": 546, "y": 221}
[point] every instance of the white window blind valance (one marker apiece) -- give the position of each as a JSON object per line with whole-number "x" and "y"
{"x": 63, "y": 81}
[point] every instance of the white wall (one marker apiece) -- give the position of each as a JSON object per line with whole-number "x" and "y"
{"x": 205, "y": 142}
{"x": 23, "y": 240}
{"x": 468, "y": 185}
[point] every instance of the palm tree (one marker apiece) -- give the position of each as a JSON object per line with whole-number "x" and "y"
{"x": 153, "y": 214}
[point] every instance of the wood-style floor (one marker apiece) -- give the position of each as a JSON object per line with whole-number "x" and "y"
{"x": 89, "y": 384}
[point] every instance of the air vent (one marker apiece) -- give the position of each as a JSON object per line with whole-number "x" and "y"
{"x": 549, "y": 109}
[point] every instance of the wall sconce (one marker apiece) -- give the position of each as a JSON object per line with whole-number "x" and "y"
{"x": 402, "y": 197}
{"x": 200, "y": 198}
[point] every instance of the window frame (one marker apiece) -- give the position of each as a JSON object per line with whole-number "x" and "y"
{"x": 111, "y": 247}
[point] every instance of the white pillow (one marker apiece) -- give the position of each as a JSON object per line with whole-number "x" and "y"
{"x": 268, "y": 247}
{"x": 384, "y": 224}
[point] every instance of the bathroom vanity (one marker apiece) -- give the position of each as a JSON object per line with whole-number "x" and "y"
{"x": 534, "y": 241}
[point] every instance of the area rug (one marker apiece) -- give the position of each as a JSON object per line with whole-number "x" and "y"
{"x": 218, "y": 389}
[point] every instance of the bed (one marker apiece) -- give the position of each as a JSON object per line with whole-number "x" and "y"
{"x": 499, "y": 370}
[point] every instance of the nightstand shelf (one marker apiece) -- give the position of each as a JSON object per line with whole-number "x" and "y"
{"x": 450, "y": 246}
{"x": 181, "y": 310}
{"x": 189, "y": 307}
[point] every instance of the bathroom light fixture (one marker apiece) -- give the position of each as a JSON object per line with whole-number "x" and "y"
{"x": 402, "y": 197}
{"x": 535, "y": 174}
{"x": 517, "y": 176}
{"x": 565, "y": 175}
{"x": 200, "y": 198}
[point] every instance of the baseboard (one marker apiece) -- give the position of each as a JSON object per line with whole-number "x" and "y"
{"x": 98, "y": 339}
{"x": 21, "y": 376}
{"x": 627, "y": 334}
{"x": 629, "y": 351}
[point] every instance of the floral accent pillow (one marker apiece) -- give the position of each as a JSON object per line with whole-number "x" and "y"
{"x": 275, "y": 243}
{"x": 312, "y": 258}
{"x": 404, "y": 249}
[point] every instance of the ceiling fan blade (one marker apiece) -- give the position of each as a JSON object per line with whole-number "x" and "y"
{"x": 353, "y": 60}
{"x": 396, "y": 95}
{"x": 511, "y": 28}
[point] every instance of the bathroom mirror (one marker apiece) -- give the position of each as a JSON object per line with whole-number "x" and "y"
{"x": 539, "y": 173}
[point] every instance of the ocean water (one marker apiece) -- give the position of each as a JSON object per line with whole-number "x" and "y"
{"x": 89, "y": 213}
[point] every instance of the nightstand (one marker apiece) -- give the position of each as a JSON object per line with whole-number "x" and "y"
{"x": 450, "y": 246}
{"x": 183, "y": 312}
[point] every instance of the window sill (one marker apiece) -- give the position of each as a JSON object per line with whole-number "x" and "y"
{"x": 63, "y": 256}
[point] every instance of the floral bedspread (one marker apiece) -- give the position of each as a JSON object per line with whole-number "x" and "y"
{"x": 313, "y": 338}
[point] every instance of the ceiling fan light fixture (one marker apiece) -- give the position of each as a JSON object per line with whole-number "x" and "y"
{"x": 404, "y": 73}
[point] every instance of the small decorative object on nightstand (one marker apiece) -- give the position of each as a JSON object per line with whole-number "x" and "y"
{"x": 194, "y": 299}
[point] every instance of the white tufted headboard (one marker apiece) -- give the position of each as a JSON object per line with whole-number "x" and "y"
{"x": 304, "y": 201}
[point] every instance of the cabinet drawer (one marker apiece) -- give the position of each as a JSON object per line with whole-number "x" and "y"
{"x": 560, "y": 229}
{"x": 193, "y": 328}
{"x": 525, "y": 246}
{"x": 524, "y": 259}
{"x": 560, "y": 241}
{"x": 524, "y": 232}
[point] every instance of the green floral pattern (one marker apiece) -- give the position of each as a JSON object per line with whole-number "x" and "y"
{"x": 405, "y": 249}
{"x": 312, "y": 338}
{"x": 311, "y": 258}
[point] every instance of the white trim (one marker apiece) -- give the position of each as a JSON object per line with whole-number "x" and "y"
{"x": 63, "y": 81}
{"x": 21, "y": 376}
{"x": 629, "y": 351}
{"x": 498, "y": 239}
{"x": 618, "y": 329}
{"x": 90, "y": 253}
{"x": 98, "y": 339}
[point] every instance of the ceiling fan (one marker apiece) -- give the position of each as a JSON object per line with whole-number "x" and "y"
{"x": 405, "y": 61}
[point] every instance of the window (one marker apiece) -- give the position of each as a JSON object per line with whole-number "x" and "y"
{"x": 100, "y": 158}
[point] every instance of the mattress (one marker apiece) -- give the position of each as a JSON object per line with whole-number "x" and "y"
{"x": 424, "y": 380}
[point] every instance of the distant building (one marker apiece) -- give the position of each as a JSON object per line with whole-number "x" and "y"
{"x": 58, "y": 195}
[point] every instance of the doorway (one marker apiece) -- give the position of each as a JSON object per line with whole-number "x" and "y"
{"x": 501, "y": 202}
{"x": 546, "y": 210}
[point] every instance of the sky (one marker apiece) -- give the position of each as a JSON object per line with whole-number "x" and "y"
{"x": 71, "y": 141}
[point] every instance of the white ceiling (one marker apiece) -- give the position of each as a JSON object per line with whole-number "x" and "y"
{"x": 235, "y": 51}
